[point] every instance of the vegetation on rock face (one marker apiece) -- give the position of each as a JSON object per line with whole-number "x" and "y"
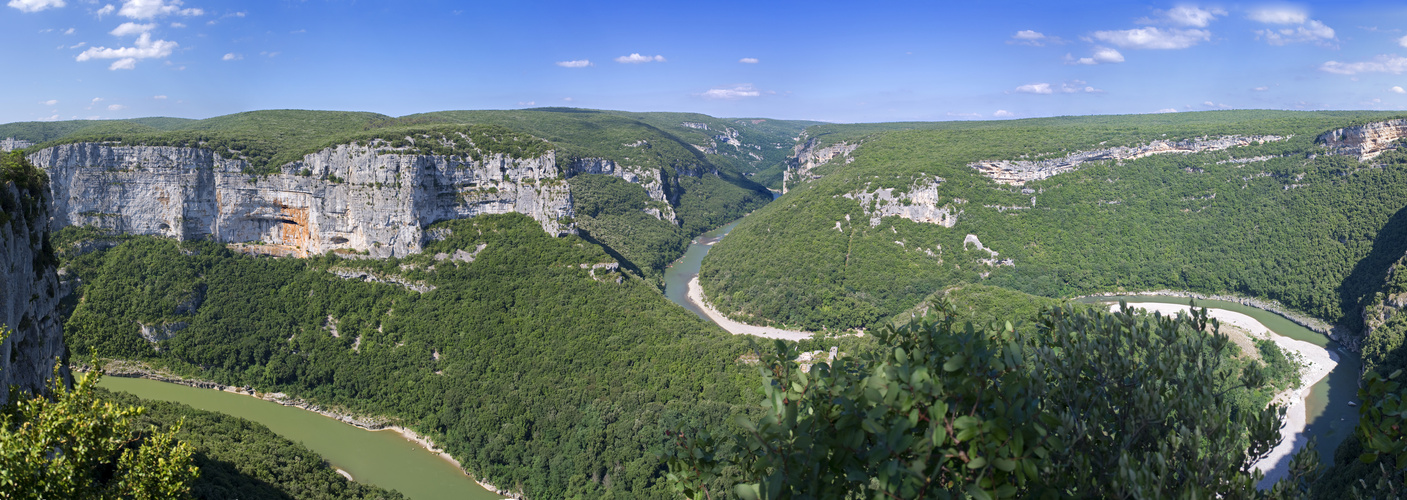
{"x": 70, "y": 443}
{"x": 1083, "y": 404}
{"x": 534, "y": 372}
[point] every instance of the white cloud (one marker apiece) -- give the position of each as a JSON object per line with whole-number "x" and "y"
{"x": 1311, "y": 31}
{"x": 298, "y": 32}
{"x": 1402, "y": 41}
{"x": 77, "y": 45}
{"x": 741, "y": 91}
{"x": 1028, "y": 37}
{"x": 116, "y": 107}
{"x": 50, "y": 102}
{"x": 1166, "y": 110}
{"x": 178, "y": 25}
{"x": 1102, "y": 55}
{"x": 1397, "y": 90}
{"x": 231, "y": 57}
{"x": 159, "y": 97}
{"x": 579, "y": 63}
{"x": 1002, "y": 113}
{"x": 1154, "y": 38}
{"x": 68, "y": 31}
{"x": 125, "y": 29}
{"x": 1035, "y": 88}
{"x": 965, "y": 115}
{"x": 527, "y": 103}
{"x": 127, "y": 57}
{"x": 35, "y": 5}
{"x": 1279, "y": 15}
{"x": 148, "y": 9}
{"x": 270, "y": 54}
{"x": 1261, "y": 88}
{"x": 748, "y": 60}
{"x": 1381, "y": 64}
{"x": 107, "y": 9}
{"x": 1189, "y": 15}
{"x": 637, "y": 59}
{"x": 568, "y": 99}
{"x": 95, "y": 101}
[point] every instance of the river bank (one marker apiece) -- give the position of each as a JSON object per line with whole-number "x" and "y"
{"x": 1337, "y": 333}
{"x": 696, "y": 296}
{"x": 1318, "y": 362}
{"x": 133, "y": 370}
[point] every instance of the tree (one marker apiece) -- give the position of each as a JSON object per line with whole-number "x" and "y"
{"x": 1089, "y": 404}
{"x": 1382, "y": 429}
{"x": 74, "y": 445}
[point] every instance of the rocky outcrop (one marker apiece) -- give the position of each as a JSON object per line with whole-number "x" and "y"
{"x": 11, "y": 144}
{"x": 367, "y": 199}
{"x": 652, "y": 180}
{"x": 1019, "y": 172}
{"x": 29, "y": 290}
{"x": 807, "y": 156}
{"x": 919, "y": 204}
{"x": 1365, "y": 141}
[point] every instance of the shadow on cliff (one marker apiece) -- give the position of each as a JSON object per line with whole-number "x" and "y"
{"x": 1370, "y": 274}
{"x": 624, "y": 262}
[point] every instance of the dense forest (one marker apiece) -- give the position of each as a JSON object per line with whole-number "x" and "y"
{"x": 537, "y": 373}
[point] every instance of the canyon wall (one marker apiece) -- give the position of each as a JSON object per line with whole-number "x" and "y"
{"x": 1364, "y": 141}
{"x": 29, "y": 289}
{"x": 352, "y": 198}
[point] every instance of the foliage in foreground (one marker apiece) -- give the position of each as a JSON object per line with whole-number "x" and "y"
{"x": 1086, "y": 404}
{"x": 78, "y": 446}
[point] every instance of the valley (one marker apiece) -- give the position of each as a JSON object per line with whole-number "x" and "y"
{"x": 545, "y": 293}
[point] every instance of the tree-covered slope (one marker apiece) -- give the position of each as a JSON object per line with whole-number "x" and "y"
{"x": 1313, "y": 231}
{"x": 536, "y": 367}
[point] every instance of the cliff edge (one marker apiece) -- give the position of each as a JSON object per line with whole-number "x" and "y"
{"x": 29, "y": 286}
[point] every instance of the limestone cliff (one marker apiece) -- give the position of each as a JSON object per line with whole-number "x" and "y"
{"x": 1019, "y": 172}
{"x": 920, "y": 203}
{"x": 806, "y": 156}
{"x": 363, "y": 198}
{"x": 1365, "y": 141}
{"x": 29, "y": 288}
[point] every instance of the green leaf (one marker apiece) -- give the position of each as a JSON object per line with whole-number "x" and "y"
{"x": 954, "y": 363}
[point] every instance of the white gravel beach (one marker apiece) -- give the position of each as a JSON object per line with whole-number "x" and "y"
{"x": 1318, "y": 361}
{"x": 734, "y": 327}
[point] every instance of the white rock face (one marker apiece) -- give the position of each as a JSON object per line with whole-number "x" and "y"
{"x": 1019, "y": 172}
{"x": 29, "y": 293}
{"x": 11, "y": 144}
{"x": 807, "y": 156}
{"x": 919, "y": 204}
{"x": 349, "y": 197}
{"x": 1365, "y": 141}
{"x": 652, "y": 180}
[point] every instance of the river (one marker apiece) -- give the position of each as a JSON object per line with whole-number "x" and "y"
{"x": 383, "y": 458}
{"x": 1329, "y": 418}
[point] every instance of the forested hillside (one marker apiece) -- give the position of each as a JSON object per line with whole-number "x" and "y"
{"x": 1282, "y": 221}
{"x": 530, "y": 358}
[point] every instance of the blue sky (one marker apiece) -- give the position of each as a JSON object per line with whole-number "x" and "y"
{"x": 841, "y": 61}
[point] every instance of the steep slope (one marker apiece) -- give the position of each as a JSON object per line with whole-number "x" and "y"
{"x": 868, "y": 233}
{"x": 529, "y": 357}
{"x": 29, "y": 287}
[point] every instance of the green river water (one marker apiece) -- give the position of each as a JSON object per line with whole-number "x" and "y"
{"x": 383, "y": 458}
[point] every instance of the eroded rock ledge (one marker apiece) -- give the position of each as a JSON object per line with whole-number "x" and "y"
{"x": 1019, "y": 172}
{"x": 1365, "y": 141}
{"x": 919, "y": 204}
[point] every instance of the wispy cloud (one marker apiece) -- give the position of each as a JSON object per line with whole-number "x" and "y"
{"x": 126, "y": 57}
{"x": 1186, "y": 15}
{"x": 740, "y": 91}
{"x": 1381, "y": 64}
{"x": 1154, "y": 38}
{"x": 149, "y": 9}
{"x": 1261, "y": 88}
{"x": 116, "y": 107}
{"x": 1397, "y": 90}
{"x": 1034, "y": 38}
{"x": 35, "y": 5}
{"x": 1070, "y": 87}
{"x": 1166, "y": 110}
{"x": 637, "y": 59}
{"x": 748, "y": 60}
{"x": 1279, "y": 15}
{"x": 527, "y": 103}
{"x": 159, "y": 97}
{"x": 107, "y": 9}
{"x": 1102, "y": 55}
{"x": 1311, "y": 31}
{"x": 125, "y": 29}
{"x": 50, "y": 102}
{"x": 232, "y": 57}
{"x": 579, "y": 63}
{"x": 1002, "y": 113}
